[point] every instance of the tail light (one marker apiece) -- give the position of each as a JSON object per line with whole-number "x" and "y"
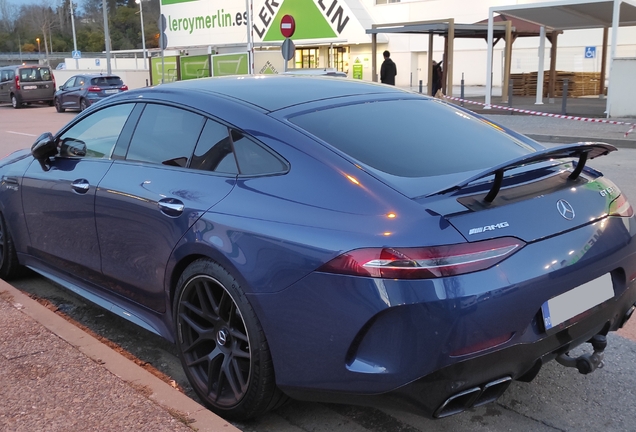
{"x": 621, "y": 207}
{"x": 17, "y": 82}
{"x": 94, "y": 89}
{"x": 123, "y": 87}
{"x": 425, "y": 262}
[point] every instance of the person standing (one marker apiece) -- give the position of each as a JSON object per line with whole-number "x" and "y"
{"x": 438, "y": 77}
{"x": 388, "y": 71}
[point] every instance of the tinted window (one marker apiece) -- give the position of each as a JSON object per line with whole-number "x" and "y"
{"x": 214, "y": 150}
{"x": 99, "y": 131}
{"x": 254, "y": 159}
{"x": 107, "y": 81}
{"x": 412, "y": 138}
{"x": 165, "y": 135}
{"x": 35, "y": 74}
{"x": 70, "y": 82}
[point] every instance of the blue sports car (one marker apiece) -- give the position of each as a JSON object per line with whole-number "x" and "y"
{"x": 327, "y": 239}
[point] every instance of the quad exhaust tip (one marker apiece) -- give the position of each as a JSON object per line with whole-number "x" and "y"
{"x": 473, "y": 397}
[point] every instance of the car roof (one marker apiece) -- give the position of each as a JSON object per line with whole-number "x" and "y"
{"x": 274, "y": 92}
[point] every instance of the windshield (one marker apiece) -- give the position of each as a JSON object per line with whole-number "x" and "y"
{"x": 35, "y": 74}
{"x": 107, "y": 81}
{"x": 412, "y": 138}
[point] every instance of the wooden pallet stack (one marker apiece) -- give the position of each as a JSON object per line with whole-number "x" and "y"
{"x": 579, "y": 83}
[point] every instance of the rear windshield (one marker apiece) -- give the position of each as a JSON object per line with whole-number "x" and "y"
{"x": 412, "y": 138}
{"x": 107, "y": 81}
{"x": 35, "y": 74}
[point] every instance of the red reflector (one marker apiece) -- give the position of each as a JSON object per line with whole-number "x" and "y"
{"x": 123, "y": 88}
{"x": 94, "y": 89}
{"x": 482, "y": 345}
{"x": 425, "y": 262}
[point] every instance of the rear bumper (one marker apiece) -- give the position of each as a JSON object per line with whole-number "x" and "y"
{"x": 374, "y": 341}
{"x": 427, "y": 394}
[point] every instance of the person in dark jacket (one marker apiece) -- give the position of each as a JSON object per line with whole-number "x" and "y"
{"x": 438, "y": 77}
{"x": 388, "y": 71}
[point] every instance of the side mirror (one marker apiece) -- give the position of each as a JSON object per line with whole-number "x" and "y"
{"x": 61, "y": 87}
{"x": 71, "y": 147}
{"x": 43, "y": 149}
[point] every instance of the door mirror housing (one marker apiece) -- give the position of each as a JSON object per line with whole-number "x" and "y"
{"x": 43, "y": 149}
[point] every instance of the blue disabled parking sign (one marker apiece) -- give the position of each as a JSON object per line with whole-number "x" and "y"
{"x": 590, "y": 52}
{"x": 77, "y": 54}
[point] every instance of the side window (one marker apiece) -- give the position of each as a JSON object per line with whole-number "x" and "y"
{"x": 70, "y": 82}
{"x": 79, "y": 82}
{"x": 165, "y": 135}
{"x": 5, "y": 76}
{"x": 214, "y": 150}
{"x": 99, "y": 131}
{"x": 253, "y": 159}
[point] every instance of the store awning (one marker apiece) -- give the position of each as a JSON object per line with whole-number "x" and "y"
{"x": 565, "y": 15}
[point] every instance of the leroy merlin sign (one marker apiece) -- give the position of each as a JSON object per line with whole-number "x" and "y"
{"x": 219, "y": 22}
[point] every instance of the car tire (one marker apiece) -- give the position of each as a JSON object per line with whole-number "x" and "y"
{"x": 9, "y": 265}
{"x": 222, "y": 345}
{"x": 83, "y": 105}
{"x": 58, "y": 106}
{"x": 51, "y": 102}
{"x": 15, "y": 102}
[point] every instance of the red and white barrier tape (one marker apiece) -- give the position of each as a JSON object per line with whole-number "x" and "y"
{"x": 544, "y": 114}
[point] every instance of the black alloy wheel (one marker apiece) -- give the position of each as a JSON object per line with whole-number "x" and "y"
{"x": 9, "y": 265}
{"x": 58, "y": 106}
{"x": 222, "y": 345}
{"x": 83, "y": 105}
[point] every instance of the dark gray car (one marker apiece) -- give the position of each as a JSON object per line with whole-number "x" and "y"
{"x": 81, "y": 91}
{"x": 25, "y": 84}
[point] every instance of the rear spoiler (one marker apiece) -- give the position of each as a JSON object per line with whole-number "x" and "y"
{"x": 583, "y": 151}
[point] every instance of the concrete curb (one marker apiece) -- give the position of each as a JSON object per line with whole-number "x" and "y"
{"x": 155, "y": 389}
{"x": 620, "y": 143}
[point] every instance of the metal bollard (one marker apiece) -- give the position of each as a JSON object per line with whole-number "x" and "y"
{"x": 420, "y": 86}
{"x": 146, "y": 82}
{"x": 462, "y": 90}
{"x": 564, "y": 101}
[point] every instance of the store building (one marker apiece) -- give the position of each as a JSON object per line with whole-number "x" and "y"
{"x": 332, "y": 34}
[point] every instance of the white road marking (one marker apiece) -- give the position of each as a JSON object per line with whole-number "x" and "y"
{"x": 20, "y": 133}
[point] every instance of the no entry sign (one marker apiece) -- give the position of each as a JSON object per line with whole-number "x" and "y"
{"x": 287, "y": 26}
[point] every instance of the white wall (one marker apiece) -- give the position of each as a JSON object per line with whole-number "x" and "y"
{"x": 622, "y": 91}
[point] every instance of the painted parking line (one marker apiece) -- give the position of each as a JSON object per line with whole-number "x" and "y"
{"x": 20, "y": 133}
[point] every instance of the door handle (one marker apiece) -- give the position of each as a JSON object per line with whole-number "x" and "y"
{"x": 171, "y": 207}
{"x": 80, "y": 186}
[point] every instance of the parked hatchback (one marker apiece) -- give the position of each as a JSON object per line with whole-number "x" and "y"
{"x": 23, "y": 84}
{"x": 81, "y": 91}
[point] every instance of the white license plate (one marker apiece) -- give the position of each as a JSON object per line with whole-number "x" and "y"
{"x": 561, "y": 308}
{"x": 29, "y": 87}
{"x": 111, "y": 91}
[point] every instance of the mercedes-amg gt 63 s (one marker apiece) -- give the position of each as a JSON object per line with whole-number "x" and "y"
{"x": 327, "y": 239}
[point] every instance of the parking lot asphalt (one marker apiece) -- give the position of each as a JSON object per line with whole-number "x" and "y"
{"x": 55, "y": 376}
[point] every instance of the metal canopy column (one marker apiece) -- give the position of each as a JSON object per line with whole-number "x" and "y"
{"x": 489, "y": 59}
{"x": 429, "y": 87}
{"x": 601, "y": 90}
{"x": 615, "y": 20}
{"x": 540, "y": 74}
{"x": 448, "y": 66}
{"x": 553, "y": 58}
{"x": 374, "y": 57}
{"x": 508, "y": 62}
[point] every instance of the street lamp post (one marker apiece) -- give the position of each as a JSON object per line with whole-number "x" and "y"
{"x": 39, "y": 52}
{"x": 74, "y": 37}
{"x": 143, "y": 35}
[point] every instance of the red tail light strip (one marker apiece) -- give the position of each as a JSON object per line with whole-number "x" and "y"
{"x": 423, "y": 263}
